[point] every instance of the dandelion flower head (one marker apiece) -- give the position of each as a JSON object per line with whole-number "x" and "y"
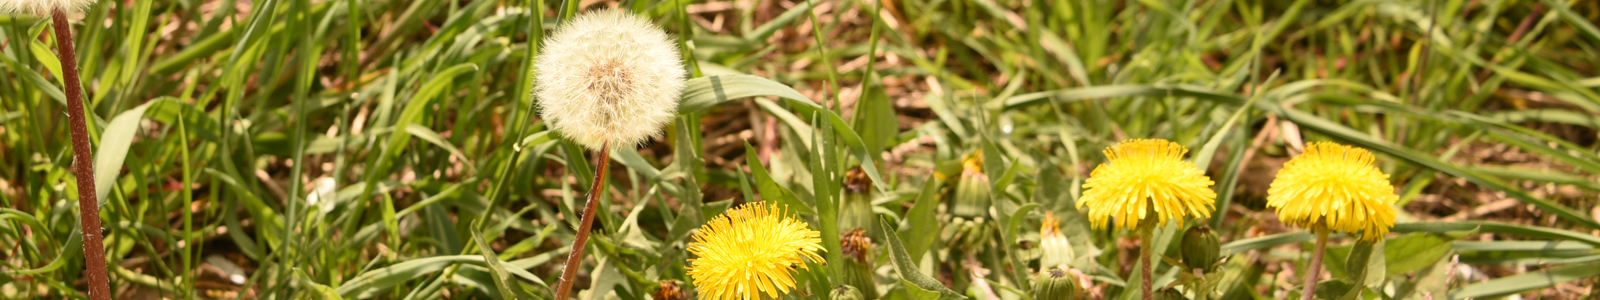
{"x": 1334, "y": 187}
{"x": 608, "y": 76}
{"x": 1146, "y": 179}
{"x": 42, "y": 7}
{"x": 751, "y": 250}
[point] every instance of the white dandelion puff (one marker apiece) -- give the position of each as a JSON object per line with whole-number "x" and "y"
{"x": 608, "y": 76}
{"x": 42, "y": 7}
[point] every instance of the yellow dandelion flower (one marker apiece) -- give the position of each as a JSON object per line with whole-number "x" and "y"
{"x": 1144, "y": 179}
{"x": 1337, "y": 187}
{"x": 751, "y": 250}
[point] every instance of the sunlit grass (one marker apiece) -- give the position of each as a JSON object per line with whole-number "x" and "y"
{"x": 414, "y": 126}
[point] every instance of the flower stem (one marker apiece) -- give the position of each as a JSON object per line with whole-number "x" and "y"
{"x": 1315, "y": 267}
{"x": 576, "y": 256}
{"x": 1146, "y": 238}
{"x": 94, "y": 253}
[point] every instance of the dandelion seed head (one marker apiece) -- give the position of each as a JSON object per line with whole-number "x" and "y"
{"x": 608, "y": 76}
{"x": 42, "y": 7}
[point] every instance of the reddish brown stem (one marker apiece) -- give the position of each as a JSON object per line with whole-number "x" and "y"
{"x": 94, "y": 253}
{"x": 1146, "y": 242}
{"x": 1310, "y": 287}
{"x": 575, "y": 258}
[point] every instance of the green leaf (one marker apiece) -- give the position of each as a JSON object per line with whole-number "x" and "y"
{"x": 496, "y": 271}
{"x": 1527, "y": 281}
{"x": 69, "y": 250}
{"x": 1573, "y": 18}
{"x": 1015, "y": 221}
{"x": 760, "y": 34}
{"x": 122, "y": 129}
{"x": 432, "y": 137}
{"x": 909, "y": 275}
{"x": 704, "y": 92}
{"x": 876, "y": 120}
{"x": 1413, "y": 252}
{"x": 37, "y": 81}
{"x": 1365, "y": 266}
{"x": 323, "y": 291}
{"x": 769, "y": 189}
{"x": 1333, "y": 288}
{"x": 922, "y": 218}
{"x": 375, "y": 280}
{"x": 1498, "y": 228}
{"x": 47, "y": 58}
{"x": 1264, "y": 242}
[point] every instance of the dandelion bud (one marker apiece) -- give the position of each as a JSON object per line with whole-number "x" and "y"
{"x": 857, "y": 267}
{"x": 608, "y": 76}
{"x": 1168, "y": 294}
{"x": 42, "y": 7}
{"x": 669, "y": 290}
{"x": 845, "y": 292}
{"x": 1201, "y": 249}
{"x": 1057, "y": 251}
{"x": 972, "y": 189}
{"x": 1055, "y": 284}
{"x": 857, "y": 204}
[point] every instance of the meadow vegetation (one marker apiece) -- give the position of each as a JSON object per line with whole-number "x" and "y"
{"x": 936, "y": 149}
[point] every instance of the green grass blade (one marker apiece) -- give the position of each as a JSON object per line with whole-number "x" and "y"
{"x": 1519, "y": 283}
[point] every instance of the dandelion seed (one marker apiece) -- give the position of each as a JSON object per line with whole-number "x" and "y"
{"x": 751, "y": 250}
{"x": 1334, "y": 187}
{"x": 1146, "y": 178}
{"x": 608, "y": 76}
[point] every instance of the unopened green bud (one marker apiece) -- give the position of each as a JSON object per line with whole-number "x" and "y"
{"x": 1055, "y": 284}
{"x": 845, "y": 292}
{"x": 1056, "y": 250}
{"x": 1201, "y": 249}
{"x": 972, "y": 190}
{"x": 856, "y": 207}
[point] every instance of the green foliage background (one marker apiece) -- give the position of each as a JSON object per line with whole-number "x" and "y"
{"x": 217, "y": 122}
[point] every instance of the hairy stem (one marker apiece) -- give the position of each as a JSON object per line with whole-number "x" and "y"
{"x": 94, "y": 253}
{"x": 1146, "y": 238}
{"x": 1315, "y": 267}
{"x": 592, "y": 204}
